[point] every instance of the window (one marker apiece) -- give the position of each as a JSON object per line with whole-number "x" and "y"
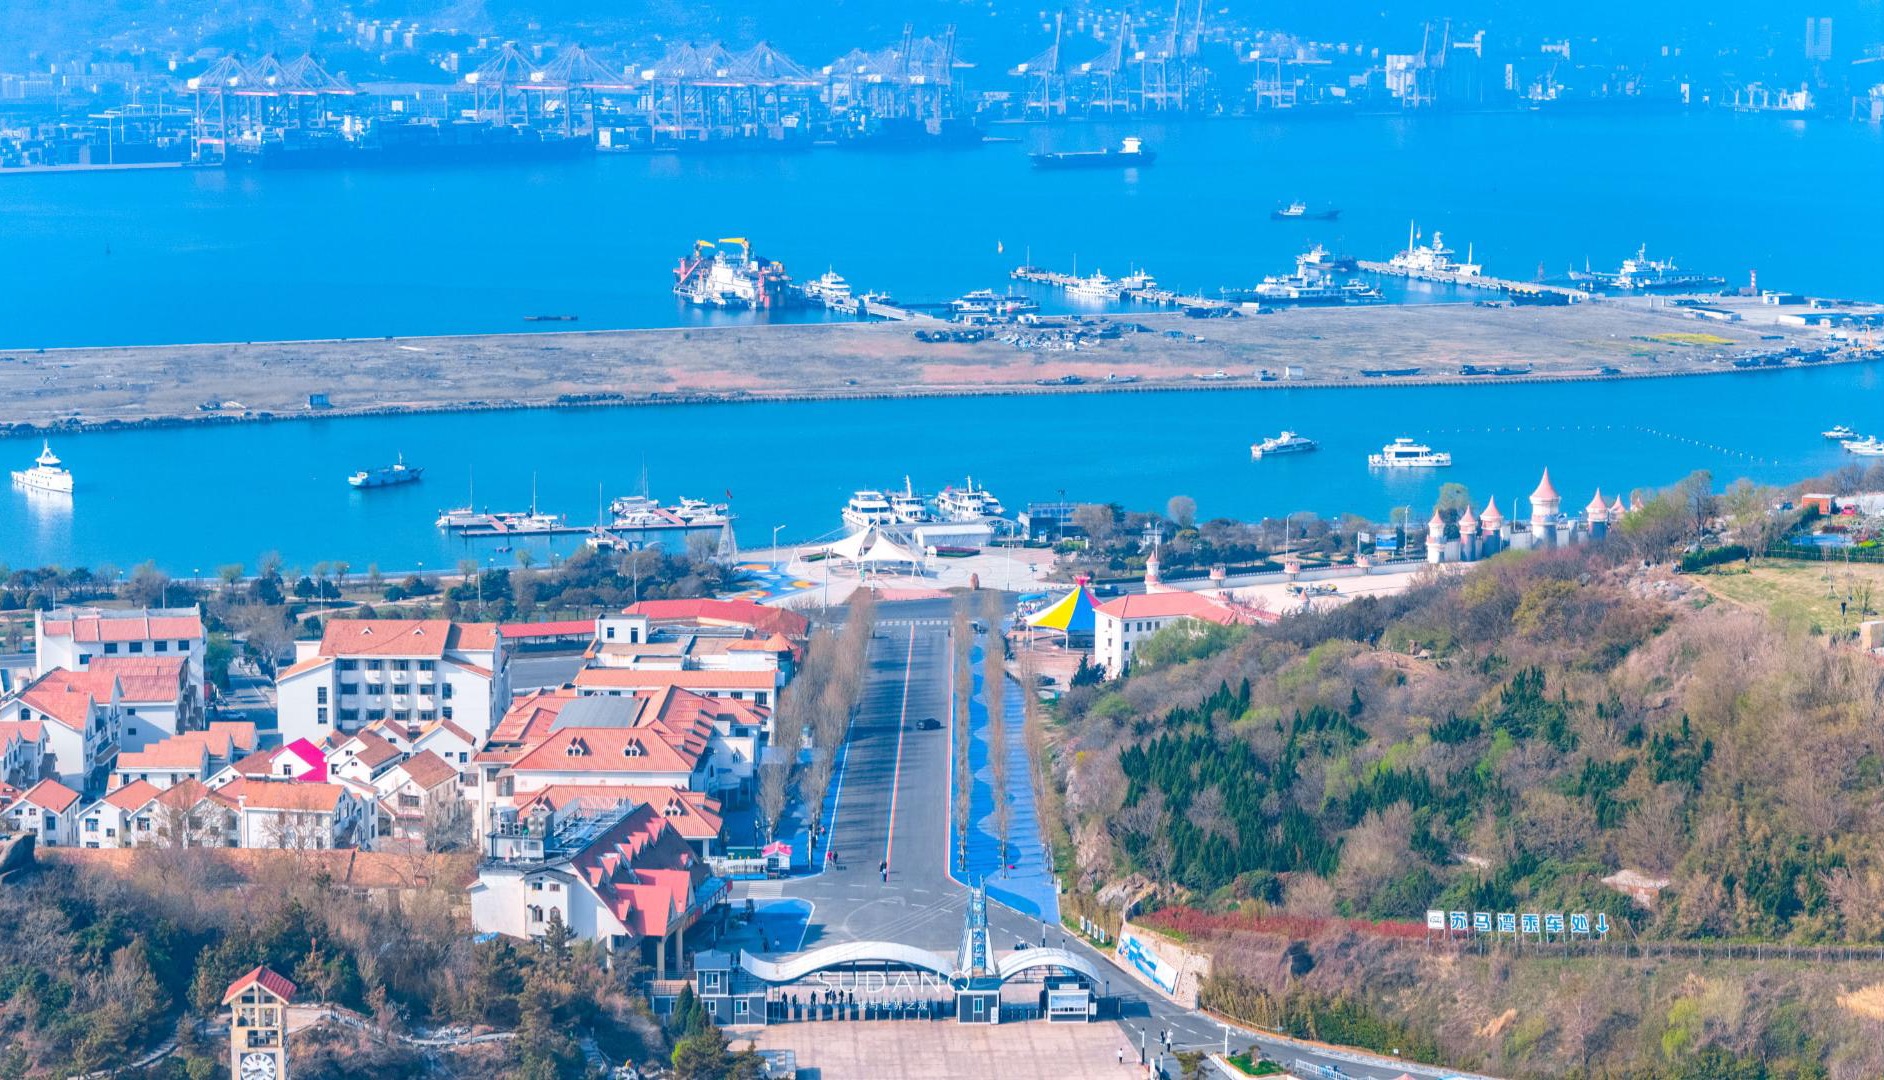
{"x": 740, "y": 1006}
{"x": 111, "y": 648}
{"x": 428, "y": 665}
{"x": 320, "y": 695}
{"x": 447, "y": 692}
{"x": 91, "y": 824}
{"x": 402, "y": 665}
{"x": 374, "y": 689}
{"x": 445, "y": 712}
{"x": 710, "y": 982}
{"x": 428, "y": 688}
{"x": 409, "y": 802}
{"x": 183, "y": 646}
{"x": 374, "y": 665}
{"x": 349, "y": 687}
{"x": 536, "y": 914}
{"x": 137, "y": 646}
{"x": 349, "y": 665}
{"x": 609, "y": 633}
{"x": 320, "y": 715}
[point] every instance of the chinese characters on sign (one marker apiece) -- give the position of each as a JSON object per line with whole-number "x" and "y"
{"x": 1551, "y": 924}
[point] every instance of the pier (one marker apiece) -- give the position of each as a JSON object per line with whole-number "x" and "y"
{"x": 1528, "y": 289}
{"x": 1152, "y": 295}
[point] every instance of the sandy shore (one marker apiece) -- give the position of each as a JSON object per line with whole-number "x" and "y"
{"x": 1325, "y": 346}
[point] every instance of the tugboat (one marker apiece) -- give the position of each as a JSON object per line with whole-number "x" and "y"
{"x": 387, "y": 475}
{"x": 1131, "y": 153}
{"x": 47, "y": 474}
{"x": 1404, "y": 453}
{"x": 1286, "y": 443}
{"x": 1299, "y": 211}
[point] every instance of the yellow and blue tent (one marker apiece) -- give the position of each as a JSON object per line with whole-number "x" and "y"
{"x": 1071, "y": 614}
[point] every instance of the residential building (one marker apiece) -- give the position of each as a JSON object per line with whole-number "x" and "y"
{"x": 156, "y": 697}
{"x": 297, "y": 815}
{"x": 361, "y": 758}
{"x": 695, "y": 815}
{"x": 621, "y": 877}
{"x": 759, "y": 686}
{"x": 78, "y": 712}
{"x": 72, "y": 638}
{"x": 48, "y": 810}
{"x": 417, "y": 794}
{"x": 1123, "y": 623}
{"x": 22, "y": 751}
{"x": 192, "y": 815}
{"x": 408, "y": 671}
{"x": 192, "y": 755}
{"x": 123, "y": 818}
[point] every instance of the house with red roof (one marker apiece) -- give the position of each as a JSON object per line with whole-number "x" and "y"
{"x": 78, "y": 712}
{"x": 704, "y": 637}
{"x": 123, "y": 818}
{"x": 156, "y": 698}
{"x": 22, "y": 751}
{"x": 1125, "y": 622}
{"x": 407, "y": 671}
{"x": 48, "y": 810}
{"x": 419, "y": 789}
{"x": 192, "y": 755}
{"x": 695, "y": 815}
{"x": 298, "y": 815}
{"x": 621, "y": 876}
{"x": 193, "y": 815}
{"x": 73, "y": 638}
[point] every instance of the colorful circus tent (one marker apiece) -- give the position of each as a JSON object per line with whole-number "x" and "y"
{"x": 1070, "y": 615}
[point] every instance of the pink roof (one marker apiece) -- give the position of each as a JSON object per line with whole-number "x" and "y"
{"x": 27, "y": 730}
{"x": 51, "y": 795}
{"x": 266, "y": 979}
{"x": 642, "y": 871}
{"x": 1468, "y": 521}
{"x": 1597, "y": 507}
{"x": 284, "y": 795}
{"x": 614, "y": 750}
{"x": 428, "y": 770}
{"x": 1545, "y": 490}
{"x": 1168, "y": 605}
{"x": 725, "y": 613}
{"x": 403, "y": 637}
{"x": 97, "y": 626}
{"x": 1491, "y": 518}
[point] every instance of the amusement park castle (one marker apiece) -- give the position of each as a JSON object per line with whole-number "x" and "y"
{"x": 1483, "y": 535}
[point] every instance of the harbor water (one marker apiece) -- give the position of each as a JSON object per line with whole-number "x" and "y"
{"x": 195, "y": 498}
{"x": 189, "y": 255}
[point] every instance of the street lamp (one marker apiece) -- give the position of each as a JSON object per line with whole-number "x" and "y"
{"x": 775, "y": 531}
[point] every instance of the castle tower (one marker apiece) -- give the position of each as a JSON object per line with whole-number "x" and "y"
{"x": 1491, "y": 527}
{"x": 258, "y": 1025}
{"x": 1596, "y": 516}
{"x": 1616, "y": 511}
{"x": 1468, "y": 535}
{"x": 1435, "y": 538}
{"x": 1546, "y": 508}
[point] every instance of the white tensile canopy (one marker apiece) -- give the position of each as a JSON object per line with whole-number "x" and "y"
{"x": 868, "y": 547}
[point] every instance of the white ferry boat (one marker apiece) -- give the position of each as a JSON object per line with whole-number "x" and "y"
{"x": 989, "y": 302}
{"x": 47, "y": 474}
{"x": 1096, "y": 287}
{"x": 1432, "y": 262}
{"x": 1404, "y": 453}
{"x": 868, "y": 509}
{"x": 1840, "y": 433}
{"x": 1869, "y": 446}
{"x": 1286, "y": 443}
{"x": 909, "y": 507}
{"x": 968, "y": 503}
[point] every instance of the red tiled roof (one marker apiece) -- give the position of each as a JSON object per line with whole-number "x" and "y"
{"x": 646, "y": 679}
{"x": 98, "y": 626}
{"x": 67, "y": 696}
{"x": 570, "y": 628}
{"x": 428, "y": 770}
{"x": 310, "y": 664}
{"x": 643, "y": 872}
{"x": 1167, "y": 605}
{"x": 385, "y": 637}
{"x": 241, "y": 732}
{"x": 275, "y": 984}
{"x": 144, "y": 679}
{"x": 373, "y": 750}
{"x": 28, "y": 730}
{"x": 530, "y": 717}
{"x": 187, "y": 793}
{"x": 475, "y": 637}
{"x": 725, "y": 613}
{"x": 179, "y": 751}
{"x": 51, "y": 795}
{"x": 284, "y": 795}
{"x": 607, "y": 750}
{"x": 133, "y": 795}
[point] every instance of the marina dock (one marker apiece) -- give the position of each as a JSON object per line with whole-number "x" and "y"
{"x": 1152, "y": 296}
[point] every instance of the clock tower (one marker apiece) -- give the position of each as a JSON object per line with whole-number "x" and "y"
{"x": 258, "y": 1025}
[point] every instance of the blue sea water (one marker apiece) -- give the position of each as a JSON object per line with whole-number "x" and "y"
{"x": 152, "y": 257}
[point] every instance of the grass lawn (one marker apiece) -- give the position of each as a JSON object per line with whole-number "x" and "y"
{"x": 1799, "y": 594}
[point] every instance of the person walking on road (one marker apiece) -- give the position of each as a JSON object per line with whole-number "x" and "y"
{"x": 883, "y": 868}
{"x": 1121, "y": 1055}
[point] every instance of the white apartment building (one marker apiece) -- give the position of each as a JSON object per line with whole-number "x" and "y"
{"x": 78, "y": 715}
{"x": 408, "y": 671}
{"x": 72, "y": 638}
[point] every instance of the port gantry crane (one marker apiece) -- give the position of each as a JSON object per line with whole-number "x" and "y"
{"x": 254, "y": 103}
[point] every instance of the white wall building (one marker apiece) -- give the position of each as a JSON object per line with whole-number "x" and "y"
{"x": 71, "y": 638}
{"x": 404, "y": 670}
{"x": 1123, "y": 623}
{"x": 78, "y": 712}
{"x": 48, "y": 810}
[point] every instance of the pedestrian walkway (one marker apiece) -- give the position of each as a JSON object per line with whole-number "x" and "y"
{"x": 891, "y": 1049}
{"x": 1024, "y": 881}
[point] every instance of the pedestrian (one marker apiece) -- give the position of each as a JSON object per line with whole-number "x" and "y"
{"x": 886, "y": 876}
{"x": 883, "y": 866}
{"x": 1121, "y": 1055}
{"x": 765, "y": 943}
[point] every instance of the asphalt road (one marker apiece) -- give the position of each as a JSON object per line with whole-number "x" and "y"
{"x": 893, "y": 805}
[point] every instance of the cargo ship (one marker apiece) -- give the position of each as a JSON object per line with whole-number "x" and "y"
{"x": 1131, "y": 153}
{"x": 1299, "y": 211}
{"x": 727, "y": 274}
{"x": 387, "y": 475}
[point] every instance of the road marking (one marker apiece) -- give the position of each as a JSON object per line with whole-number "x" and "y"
{"x": 896, "y": 776}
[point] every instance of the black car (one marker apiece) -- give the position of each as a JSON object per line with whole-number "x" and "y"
{"x": 928, "y": 723}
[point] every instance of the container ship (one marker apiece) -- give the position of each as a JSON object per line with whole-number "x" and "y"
{"x": 1131, "y": 153}
{"x": 727, "y": 274}
{"x": 396, "y": 143}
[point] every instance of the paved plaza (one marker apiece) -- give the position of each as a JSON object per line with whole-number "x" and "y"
{"x": 944, "y": 1051}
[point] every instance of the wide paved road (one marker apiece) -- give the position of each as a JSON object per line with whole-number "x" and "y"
{"x": 893, "y": 803}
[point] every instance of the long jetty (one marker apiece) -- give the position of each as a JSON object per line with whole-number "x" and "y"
{"x": 1153, "y": 296}
{"x": 1478, "y": 281}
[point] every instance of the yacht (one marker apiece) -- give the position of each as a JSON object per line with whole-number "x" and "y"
{"x": 1869, "y": 446}
{"x": 47, "y": 474}
{"x": 1286, "y": 443}
{"x": 908, "y": 507}
{"x": 988, "y": 302}
{"x": 831, "y": 290}
{"x": 868, "y": 509}
{"x": 1432, "y": 262}
{"x": 637, "y": 513}
{"x": 1840, "y": 433}
{"x": 1404, "y": 453}
{"x": 968, "y": 503}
